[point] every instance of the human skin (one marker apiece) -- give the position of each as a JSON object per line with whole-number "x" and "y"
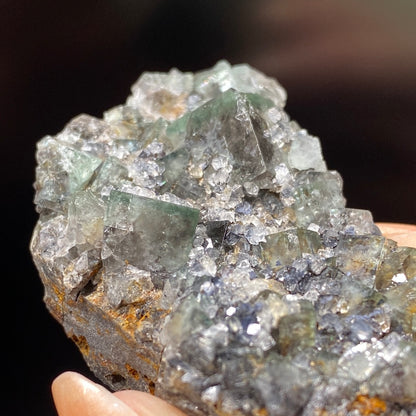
{"x": 75, "y": 395}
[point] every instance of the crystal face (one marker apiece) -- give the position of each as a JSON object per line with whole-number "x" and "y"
{"x": 193, "y": 244}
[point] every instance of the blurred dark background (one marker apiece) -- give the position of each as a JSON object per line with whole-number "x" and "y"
{"x": 349, "y": 69}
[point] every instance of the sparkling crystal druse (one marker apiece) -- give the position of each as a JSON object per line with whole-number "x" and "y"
{"x": 193, "y": 244}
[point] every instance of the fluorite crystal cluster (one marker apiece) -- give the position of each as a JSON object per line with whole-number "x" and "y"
{"x": 193, "y": 244}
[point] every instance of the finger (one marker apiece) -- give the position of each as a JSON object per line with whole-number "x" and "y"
{"x": 144, "y": 404}
{"x": 403, "y": 234}
{"x": 75, "y": 395}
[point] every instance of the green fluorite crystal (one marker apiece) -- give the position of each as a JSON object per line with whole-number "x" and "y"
{"x": 148, "y": 234}
{"x": 193, "y": 244}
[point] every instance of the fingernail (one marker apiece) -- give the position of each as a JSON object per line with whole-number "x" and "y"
{"x": 75, "y": 395}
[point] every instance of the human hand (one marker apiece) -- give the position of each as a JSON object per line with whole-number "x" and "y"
{"x": 75, "y": 395}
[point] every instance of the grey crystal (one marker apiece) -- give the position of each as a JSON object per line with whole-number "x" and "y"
{"x": 193, "y": 244}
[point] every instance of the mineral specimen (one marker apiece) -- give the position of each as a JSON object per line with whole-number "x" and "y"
{"x": 193, "y": 244}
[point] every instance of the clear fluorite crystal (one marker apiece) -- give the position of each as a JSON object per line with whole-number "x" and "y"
{"x": 193, "y": 244}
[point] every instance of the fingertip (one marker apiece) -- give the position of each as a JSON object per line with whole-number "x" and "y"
{"x": 76, "y": 395}
{"x": 62, "y": 379}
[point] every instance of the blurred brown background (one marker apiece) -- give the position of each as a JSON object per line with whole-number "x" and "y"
{"x": 349, "y": 68}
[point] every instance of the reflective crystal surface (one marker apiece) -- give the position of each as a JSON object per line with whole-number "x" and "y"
{"x": 193, "y": 244}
